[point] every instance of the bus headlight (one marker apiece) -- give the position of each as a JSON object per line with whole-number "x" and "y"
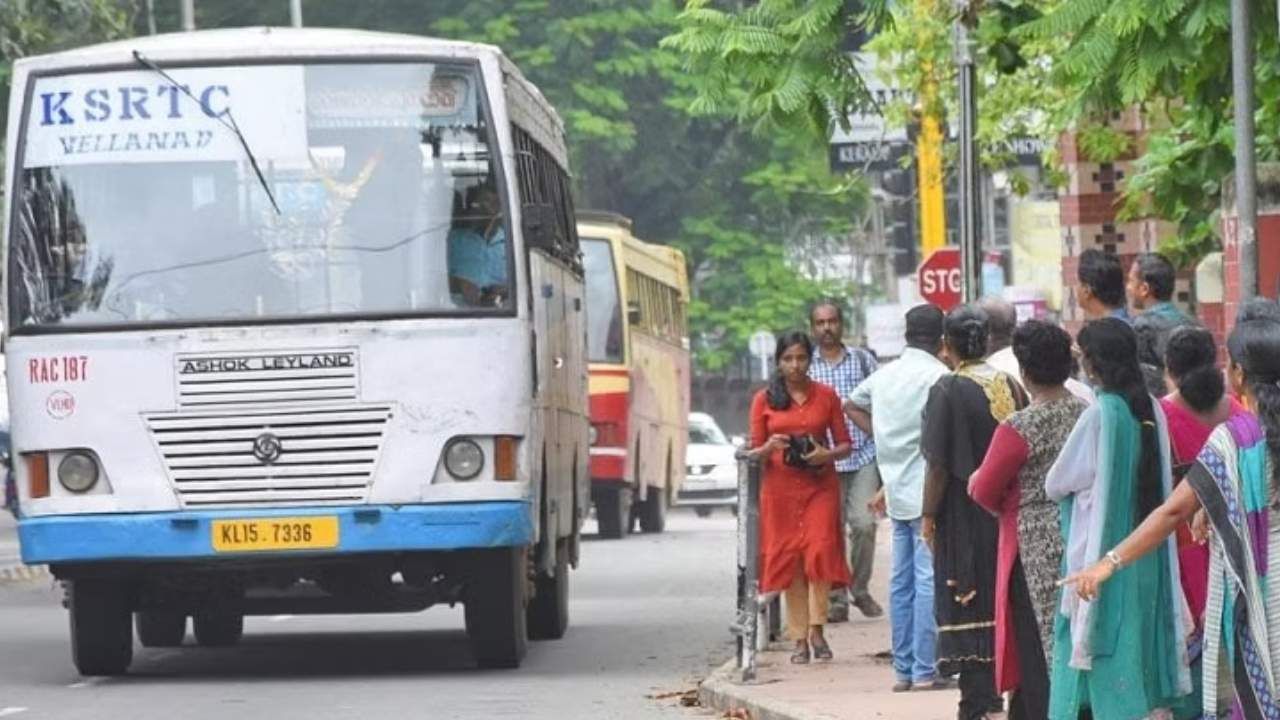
{"x": 463, "y": 459}
{"x": 78, "y": 472}
{"x": 592, "y": 435}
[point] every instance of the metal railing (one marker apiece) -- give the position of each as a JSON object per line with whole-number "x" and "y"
{"x": 758, "y": 620}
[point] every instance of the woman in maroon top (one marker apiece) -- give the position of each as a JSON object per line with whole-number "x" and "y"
{"x": 1010, "y": 485}
{"x": 1198, "y": 405}
{"x": 801, "y": 539}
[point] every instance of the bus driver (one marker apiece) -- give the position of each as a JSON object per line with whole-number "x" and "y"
{"x": 478, "y": 251}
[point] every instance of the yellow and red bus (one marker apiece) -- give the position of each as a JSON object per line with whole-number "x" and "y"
{"x": 638, "y": 347}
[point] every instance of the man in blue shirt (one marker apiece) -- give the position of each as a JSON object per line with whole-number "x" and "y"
{"x": 842, "y": 368}
{"x": 890, "y": 404}
{"x": 478, "y": 252}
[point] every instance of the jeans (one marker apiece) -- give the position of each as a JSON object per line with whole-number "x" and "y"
{"x": 856, "y": 490}
{"x": 915, "y": 630}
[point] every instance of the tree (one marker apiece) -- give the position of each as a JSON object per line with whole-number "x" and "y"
{"x": 1172, "y": 59}
{"x": 735, "y": 202}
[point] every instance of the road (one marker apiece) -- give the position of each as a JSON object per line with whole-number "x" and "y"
{"x": 649, "y": 617}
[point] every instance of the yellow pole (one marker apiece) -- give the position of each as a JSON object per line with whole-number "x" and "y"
{"x": 933, "y": 219}
{"x": 929, "y": 175}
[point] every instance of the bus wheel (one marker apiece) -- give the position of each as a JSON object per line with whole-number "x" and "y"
{"x": 653, "y": 511}
{"x": 160, "y": 628}
{"x": 548, "y": 615}
{"x": 218, "y": 628}
{"x": 494, "y": 604}
{"x": 613, "y": 511}
{"x": 702, "y": 511}
{"x": 101, "y": 634}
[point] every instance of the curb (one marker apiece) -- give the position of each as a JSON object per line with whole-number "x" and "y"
{"x": 723, "y": 693}
{"x": 12, "y": 574}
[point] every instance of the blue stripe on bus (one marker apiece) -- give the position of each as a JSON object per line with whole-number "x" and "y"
{"x": 186, "y": 535}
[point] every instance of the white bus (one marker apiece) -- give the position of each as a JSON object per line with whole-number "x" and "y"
{"x": 295, "y": 324}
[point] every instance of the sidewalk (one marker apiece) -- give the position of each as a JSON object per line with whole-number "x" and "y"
{"x": 11, "y": 567}
{"x": 854, "y": 685}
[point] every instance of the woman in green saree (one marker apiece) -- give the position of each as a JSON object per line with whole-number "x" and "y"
{"x": 1123, "y": 657}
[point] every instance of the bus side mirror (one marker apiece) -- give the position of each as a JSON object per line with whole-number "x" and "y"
{"x": 633, "y": 313}
{"x": 538, "y": 222}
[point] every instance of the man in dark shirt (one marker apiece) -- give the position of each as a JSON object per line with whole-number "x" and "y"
{"x": 1150, "y": 287}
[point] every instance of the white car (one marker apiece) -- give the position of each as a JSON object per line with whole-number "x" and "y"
{"x": 711, "y": 472}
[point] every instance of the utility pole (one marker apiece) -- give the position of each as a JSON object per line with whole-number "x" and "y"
{"x": 188, "y": 15}
{"x": 295, "y": 13}
{"x": 1246, "y": 177}
{"x": 151, "y": 16}
{"x": 970, "y": 202}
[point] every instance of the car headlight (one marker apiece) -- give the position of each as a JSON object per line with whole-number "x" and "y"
{"x": 592, "y": 435}
{"x": 463, "y": 459}
{"x": 78, "y": 472}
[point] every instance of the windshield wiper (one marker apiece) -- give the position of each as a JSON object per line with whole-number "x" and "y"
{"x": 226, "y": 119}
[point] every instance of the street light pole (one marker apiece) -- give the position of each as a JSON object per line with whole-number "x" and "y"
{"x": 1246, "y": 176}
{"x": 970, "y": 202}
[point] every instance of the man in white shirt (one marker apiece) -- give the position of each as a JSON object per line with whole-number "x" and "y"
{"x": 890, "y": 405}
{"x": 1003, "y": 320}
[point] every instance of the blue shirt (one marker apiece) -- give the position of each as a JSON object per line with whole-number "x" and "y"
{"x": 1121, "y": 313}
{"x": 895, "y": 396}
{"x": 480, "y": 261}
{"x": 843, "y": 377}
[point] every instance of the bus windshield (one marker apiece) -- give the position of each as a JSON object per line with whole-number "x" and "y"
{"x": 604, "y": 311}
{"x": 137, "y": 202}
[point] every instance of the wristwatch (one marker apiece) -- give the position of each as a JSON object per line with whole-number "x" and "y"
{"x": 1114, "y": 559}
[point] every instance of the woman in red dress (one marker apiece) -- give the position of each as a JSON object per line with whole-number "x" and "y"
{"x": 801, "y": 541}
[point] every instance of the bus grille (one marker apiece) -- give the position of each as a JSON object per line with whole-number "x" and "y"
{"x": 326, "y": 456}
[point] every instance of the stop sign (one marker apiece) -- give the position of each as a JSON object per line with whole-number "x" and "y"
{"x": 941, "y": 282}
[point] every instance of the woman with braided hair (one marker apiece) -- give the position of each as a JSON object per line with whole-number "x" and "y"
{"x": 1235, "y": 481}
{"x": 960, "y": 418}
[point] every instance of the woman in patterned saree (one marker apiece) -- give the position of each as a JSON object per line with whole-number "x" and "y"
{"x": 1235, "y": 481}
{"x": 1010, "y": 485}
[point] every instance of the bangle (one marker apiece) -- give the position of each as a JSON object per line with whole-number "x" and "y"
{"x": 1114, "y": 559}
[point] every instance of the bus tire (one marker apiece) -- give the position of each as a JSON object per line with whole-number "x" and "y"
{"x": 702, "y": 511}
{"x": 613, "y": 511}
{"x": 653, "y": 511}
{"x": 160, "y": 628}
{"x": 548, "y": 615}
{"x": 218, "y": 628}
{"x": 101, "y": 631}
{"x": 494, "y": 608}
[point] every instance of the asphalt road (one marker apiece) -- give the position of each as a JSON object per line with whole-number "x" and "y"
{"x": 649, "y": 617}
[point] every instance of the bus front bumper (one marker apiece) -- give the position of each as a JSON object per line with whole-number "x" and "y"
{"x": 189, "y": 535}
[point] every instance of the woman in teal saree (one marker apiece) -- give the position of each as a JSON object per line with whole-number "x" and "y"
{"x": 1234, "y": 482}
{"x": 1123, "y": 657}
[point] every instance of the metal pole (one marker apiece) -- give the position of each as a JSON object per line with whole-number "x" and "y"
{"x": 1246, "y": 177}
{"x": 970, "y": 244}
{"x": 151, "y": 16}
{"x": 295, "y": 13}
{"x": 188, "y": 15}
{"x": 748, "y": 624}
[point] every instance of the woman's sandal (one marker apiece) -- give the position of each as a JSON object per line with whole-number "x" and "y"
{"x": 821, "y": 650}
{"x": 801, "y": 655}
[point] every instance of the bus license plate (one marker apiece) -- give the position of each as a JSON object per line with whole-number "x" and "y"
{"x": 282, "y": 533}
